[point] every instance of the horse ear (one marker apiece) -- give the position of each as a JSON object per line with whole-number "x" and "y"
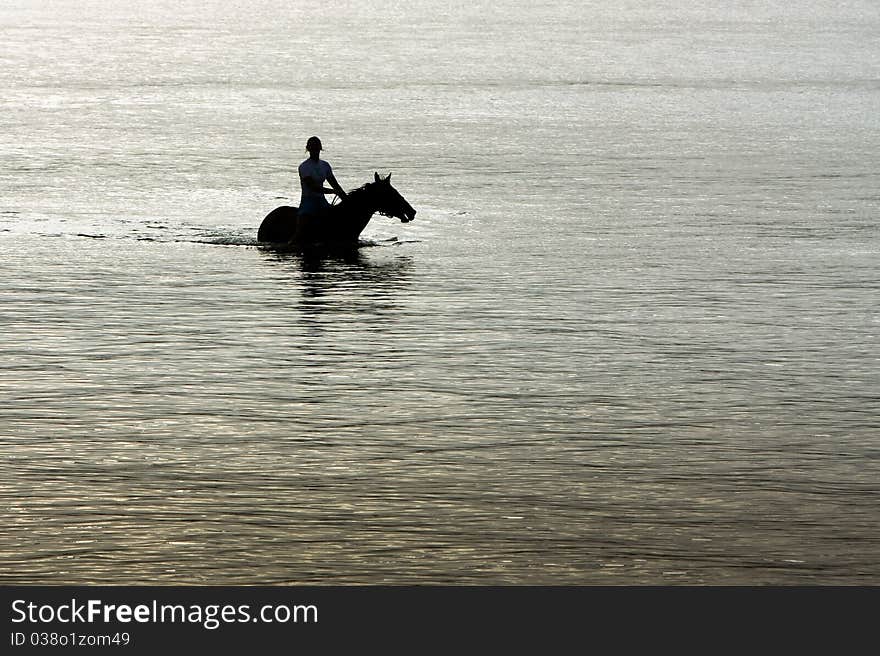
{"x": 376, "y": 176}
{"x": 388, "y": 178}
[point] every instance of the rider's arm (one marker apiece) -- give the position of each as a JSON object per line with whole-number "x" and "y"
{"x": 337, "y": 188}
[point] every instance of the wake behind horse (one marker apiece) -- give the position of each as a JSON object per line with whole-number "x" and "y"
{"x": 343, "y": 223}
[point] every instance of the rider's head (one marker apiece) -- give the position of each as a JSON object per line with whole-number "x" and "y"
{"x": 313, "y": 145}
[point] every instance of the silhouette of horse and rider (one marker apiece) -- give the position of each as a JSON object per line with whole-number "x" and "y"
{"x": 316, "y": 221}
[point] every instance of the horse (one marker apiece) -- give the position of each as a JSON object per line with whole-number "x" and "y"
{"x": 342, "y": 223}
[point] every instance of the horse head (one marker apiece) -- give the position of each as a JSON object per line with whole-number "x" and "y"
{"x": 389, "y": 201}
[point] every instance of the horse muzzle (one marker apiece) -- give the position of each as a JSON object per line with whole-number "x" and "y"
{"x": 408, "y": 214}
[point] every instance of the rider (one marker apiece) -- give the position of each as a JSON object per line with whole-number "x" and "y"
{"x": 313, "y": 172}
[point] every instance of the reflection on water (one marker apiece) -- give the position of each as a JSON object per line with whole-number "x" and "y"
{"x": 347, "y": 283}
{"x": 351, "y": 267}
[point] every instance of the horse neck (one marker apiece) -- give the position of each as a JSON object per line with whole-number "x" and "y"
{"x": 361, "y": 203}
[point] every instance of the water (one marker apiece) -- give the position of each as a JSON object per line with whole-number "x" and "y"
{"x": 631, "y": 336}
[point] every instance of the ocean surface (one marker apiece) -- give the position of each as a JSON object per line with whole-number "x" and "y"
{"x": 632, "y": 336}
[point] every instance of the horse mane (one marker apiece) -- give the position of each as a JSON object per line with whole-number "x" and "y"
{"x": 364, "y": 186}
{"x": 360, "y": 197}
{"x": 360, "y": 190}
